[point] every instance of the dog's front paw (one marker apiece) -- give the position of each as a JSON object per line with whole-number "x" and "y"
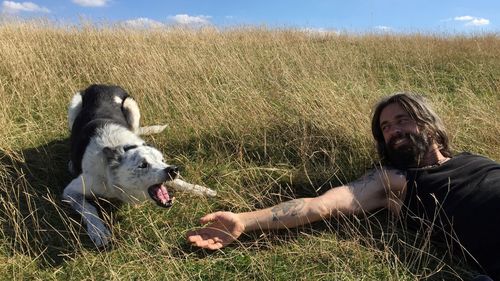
{"x": 99, "y": 234}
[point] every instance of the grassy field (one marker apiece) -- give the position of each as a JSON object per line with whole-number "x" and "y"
{"x": 260, "y": 115}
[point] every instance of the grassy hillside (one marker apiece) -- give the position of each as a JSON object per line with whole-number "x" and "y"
{"x": 260, "y": 115}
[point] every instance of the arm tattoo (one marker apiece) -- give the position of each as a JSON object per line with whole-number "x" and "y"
{"x": 291, "y": 208}
{"x": 368, "y": 177}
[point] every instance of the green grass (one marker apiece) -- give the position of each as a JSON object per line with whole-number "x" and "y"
{"x": 260, "y": 115}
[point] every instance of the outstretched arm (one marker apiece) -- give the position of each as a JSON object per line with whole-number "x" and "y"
{"x": 363, "y": 195}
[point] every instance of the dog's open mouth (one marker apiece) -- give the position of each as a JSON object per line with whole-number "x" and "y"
{"x": 159, "y": 194}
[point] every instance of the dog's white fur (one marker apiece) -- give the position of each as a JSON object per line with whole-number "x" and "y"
{"x": 126, "y": 181}
{"x": 75, "y": 106}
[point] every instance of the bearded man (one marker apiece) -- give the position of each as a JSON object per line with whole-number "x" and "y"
{"x": 456, "y": 197}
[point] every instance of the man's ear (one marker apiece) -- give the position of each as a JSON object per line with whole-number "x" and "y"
{"x": 113, "y": 155}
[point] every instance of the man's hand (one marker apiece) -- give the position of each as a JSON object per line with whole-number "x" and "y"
{"x": 223, "y": 229}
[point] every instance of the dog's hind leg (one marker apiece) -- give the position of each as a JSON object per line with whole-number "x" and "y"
{"x": 75, "y": 106}
{"x": 149, "y": 130}
{"x": 131, "y": 111}
{"x": 133, "y": 115}
{"x": 74, "y": 194}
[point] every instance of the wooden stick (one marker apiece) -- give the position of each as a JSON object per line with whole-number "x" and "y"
{"x": 193, "y": 188}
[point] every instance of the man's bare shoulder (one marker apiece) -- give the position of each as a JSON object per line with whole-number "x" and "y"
{"x": 391, "y": 170}
{"x": 382, "y": 176}
{"x": 392, "y": 178}
{"x": 377, "y": 188}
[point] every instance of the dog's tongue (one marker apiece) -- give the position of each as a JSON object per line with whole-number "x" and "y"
{"x": 162, "y": 194}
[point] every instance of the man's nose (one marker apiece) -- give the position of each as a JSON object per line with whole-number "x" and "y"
{"x": 394, "y": 132}
{"x": 395, "y": 129}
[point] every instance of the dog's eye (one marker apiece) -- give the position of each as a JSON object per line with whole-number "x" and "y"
{"x": 143, "y": 165}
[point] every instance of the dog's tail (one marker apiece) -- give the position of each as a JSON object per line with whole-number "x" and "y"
{"x": 74, "y": 108}
{"x": 192, "y": 188}
{"x": 149, "y": 130}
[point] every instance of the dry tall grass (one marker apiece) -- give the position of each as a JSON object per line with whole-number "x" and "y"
{"x": 260, "y": 115}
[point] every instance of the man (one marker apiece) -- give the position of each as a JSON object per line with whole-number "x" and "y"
{"x": 419, "y": 181}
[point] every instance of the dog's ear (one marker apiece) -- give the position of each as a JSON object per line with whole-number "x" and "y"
{"x": 113, "y": 155}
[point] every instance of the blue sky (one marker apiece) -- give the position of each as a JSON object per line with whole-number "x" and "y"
{"x": 448, "y": 16}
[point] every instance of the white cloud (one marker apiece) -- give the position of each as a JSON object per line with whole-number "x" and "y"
{"x": 12, "y": 7}
{"x": 91, "y": 3}
{"x": 191, "y": 20}
{"x": 143, "y": 23}
{"x": 478, "y": 22}
{"x": 472, "y": 21}
{"x": 319, "y": 31}
{"x": 463, "y": 18}
{"x": 383, "y": 28}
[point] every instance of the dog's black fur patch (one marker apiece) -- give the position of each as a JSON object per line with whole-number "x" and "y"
{"x": 98, "y": 109}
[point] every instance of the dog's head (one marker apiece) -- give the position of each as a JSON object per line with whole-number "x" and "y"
{"x": 139, "y": 171}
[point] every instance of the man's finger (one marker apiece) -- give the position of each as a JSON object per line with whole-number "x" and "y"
{"x": 192, "y": 237}
{"x": 201, "y": 244}
{"x": 208, "y": 218}
{"x": 214, "y": 246}
{"x": 208, "y": 244}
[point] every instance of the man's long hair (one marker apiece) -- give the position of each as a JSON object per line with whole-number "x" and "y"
{"x": 419, "y": 110}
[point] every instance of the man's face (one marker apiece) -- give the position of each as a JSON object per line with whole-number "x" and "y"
{"x": 405, "y": 143}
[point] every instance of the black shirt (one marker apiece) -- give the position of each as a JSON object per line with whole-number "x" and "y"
{"x": 460, "y": 201}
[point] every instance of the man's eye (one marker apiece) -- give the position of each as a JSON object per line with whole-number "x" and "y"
{"x": 404, "y": 120}
{"x": 143, "y": 165}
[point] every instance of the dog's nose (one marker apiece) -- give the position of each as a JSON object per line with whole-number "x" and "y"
{"x": 172, "y": 172}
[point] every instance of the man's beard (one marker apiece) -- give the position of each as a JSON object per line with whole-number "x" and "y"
{"x": 410, "y": 154}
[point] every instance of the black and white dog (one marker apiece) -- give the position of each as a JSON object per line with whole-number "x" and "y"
{"x": 110, "y": 160}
